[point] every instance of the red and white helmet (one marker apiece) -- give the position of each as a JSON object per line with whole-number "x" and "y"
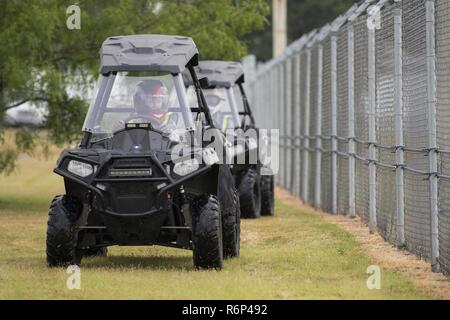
{"x": 151, "y": 98}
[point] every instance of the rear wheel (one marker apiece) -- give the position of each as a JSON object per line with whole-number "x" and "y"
{"x": 61, "y": 235}
{"x": 250, "y": 195}
{"x": 207, "y": 233}
{"x": 231, "y": 222}
{"x": 267, "y": 196}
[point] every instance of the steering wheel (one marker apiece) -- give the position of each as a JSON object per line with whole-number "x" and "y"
{"x": 152, "y": 120}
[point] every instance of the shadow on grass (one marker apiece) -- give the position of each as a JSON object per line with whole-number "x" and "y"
{"x": 143, "y": 262}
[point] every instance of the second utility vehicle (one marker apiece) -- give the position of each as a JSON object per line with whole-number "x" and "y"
{"x": 230, "y": 111}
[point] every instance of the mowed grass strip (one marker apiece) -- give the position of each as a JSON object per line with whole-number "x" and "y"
{"x": 294, "y": 255}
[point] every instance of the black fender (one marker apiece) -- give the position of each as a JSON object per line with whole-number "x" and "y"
{"x": 205, "y": 183}
{"x": 225, "y": 188}
{"x": 218, "y": 181}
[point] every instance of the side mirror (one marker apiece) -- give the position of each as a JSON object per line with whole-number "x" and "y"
{"x": 204, "y": 83}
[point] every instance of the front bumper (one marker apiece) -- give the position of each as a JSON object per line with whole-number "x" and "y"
{"x": 103, "y": 201}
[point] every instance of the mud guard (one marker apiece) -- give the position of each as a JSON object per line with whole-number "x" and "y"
{"x": 219, "y": 182}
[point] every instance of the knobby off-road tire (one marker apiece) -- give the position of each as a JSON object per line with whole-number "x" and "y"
{"x": 61, "y": 237}
{"x": 267, "y": 196}
{"x": 207, "y": 233}
{"x": 250, "y": 195}
{"x": 231, "y": 224}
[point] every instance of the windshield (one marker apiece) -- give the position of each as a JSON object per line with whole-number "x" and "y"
{"x": 222, "y": 106}
{"x": 130, "y": 97}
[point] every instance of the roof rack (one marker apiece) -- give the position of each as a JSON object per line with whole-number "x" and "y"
{"x": 221, "y": 73}
{"x": 147, "y": 53}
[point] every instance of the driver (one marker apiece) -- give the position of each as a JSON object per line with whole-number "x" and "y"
{"x": 151, "y": 102}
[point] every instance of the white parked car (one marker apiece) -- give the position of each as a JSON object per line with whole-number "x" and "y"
{"x": 27, "y": 114}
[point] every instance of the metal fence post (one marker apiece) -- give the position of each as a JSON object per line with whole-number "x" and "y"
{"x": 432, "y": 139}
{"x": 278, "y": 117}
{"x": 398, "y": 111}
{"x": 351, "y": 123}
{"x": 282, "y": 123}
{"x": 318, "y": 177}
{"x": 306, "y": 134}
{"x": 285, "y": 121}
{"x": 333, "y": 124}
{"x": 296, "y": 132}
{"x": 288, "y": 119}
{"x": 265, "y": 102}
{"x": 273, "y": 99}
{"x": 372, "y": 132}
{"x": 301, "y": 106}
{"x": 268, "y": 104}
{"x": 300, "y": 124}
{"x": 281, "y": 120}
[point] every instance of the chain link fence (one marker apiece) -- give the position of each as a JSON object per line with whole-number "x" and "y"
{"x": 362, "y": 105}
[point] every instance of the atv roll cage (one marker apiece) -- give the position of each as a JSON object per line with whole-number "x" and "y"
{"x": 130, "y": 59}
{"x": 228, "y": 75}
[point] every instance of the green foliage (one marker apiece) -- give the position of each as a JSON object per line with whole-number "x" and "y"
{"x": 40, "y": 58}
{"x": 8, "y": 158}
{"x": 25, "y": 140}
{"x": 216, "y": 26}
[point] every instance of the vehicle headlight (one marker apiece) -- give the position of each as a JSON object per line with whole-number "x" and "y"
{"x": 80, "y": 168}
{"x": 210, "y": 156}
{"x": 186, "y": 167}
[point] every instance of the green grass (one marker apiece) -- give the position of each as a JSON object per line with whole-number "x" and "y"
{"x": 295, "y": 255}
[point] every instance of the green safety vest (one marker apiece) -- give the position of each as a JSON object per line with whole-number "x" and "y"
{"x": 167, "y": 118}
{"x": 225, "y": 123}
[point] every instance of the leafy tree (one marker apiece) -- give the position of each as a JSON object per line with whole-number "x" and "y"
{"x": 40, "y": 58}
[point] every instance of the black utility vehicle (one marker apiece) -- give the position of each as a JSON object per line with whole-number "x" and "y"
{"x": 139, "y": 177}
{"x": 230, "y": 110}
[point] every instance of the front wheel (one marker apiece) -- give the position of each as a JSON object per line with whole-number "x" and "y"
{"x": 267, "y": 196}
{"x": 207, "y": 233}
{"x": 61, "y": 235}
